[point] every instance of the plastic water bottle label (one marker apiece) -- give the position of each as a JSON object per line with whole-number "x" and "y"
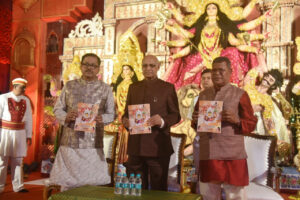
{"x": 131, "y": 185}
{"x": 118, "y": 185}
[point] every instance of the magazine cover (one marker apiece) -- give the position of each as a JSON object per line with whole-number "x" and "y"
{"x": 209, "y": 119}
{"x": 138, "y": 115}
{"x": 86, "y": 117}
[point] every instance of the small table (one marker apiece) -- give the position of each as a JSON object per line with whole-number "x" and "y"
{"x": 107, "y": 193}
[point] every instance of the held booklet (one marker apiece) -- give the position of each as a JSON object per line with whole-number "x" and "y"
{"x": 86, "y": 117}
{"x": 209, "y": 118}
{"x": 138, "y": 116}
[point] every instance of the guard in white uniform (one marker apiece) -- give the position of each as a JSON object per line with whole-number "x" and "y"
{"x": 15, "y": 133}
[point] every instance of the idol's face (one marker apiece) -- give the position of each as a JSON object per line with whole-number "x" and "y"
{"x": 150, "y": 67}
{"x": 126, "y": 70}
{"x": 221, "y": 74}
{"x": 212, "y": 10}
{"x": 189, "y": 97}
{"x": 268, "y": 80}
{"x": 206, "y": 81}
{"x": 89, "y": 68}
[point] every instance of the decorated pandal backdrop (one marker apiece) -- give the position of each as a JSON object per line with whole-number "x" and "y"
{"x": 260, "y": 37}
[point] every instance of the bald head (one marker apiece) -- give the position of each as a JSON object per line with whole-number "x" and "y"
{"x": 152, "y": 58}
{"x": 150, "y": 67}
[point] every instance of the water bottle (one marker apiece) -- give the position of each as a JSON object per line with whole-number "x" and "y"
{"x": 118, "y": 184}
{"x": 132, "y": 184}
{"x": 138, "y": 185}
{"x": 125, "y": 184}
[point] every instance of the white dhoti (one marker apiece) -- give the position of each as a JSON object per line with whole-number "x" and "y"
{"x": 80, "y": 159}
{"x": 212, "y": 191}
{"x": 78, "y": 167}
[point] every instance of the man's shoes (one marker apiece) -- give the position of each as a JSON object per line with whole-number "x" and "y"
{"x": 23, "y": 191}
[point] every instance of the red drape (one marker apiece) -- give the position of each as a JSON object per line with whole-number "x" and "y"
{"x": 5, "y": 41}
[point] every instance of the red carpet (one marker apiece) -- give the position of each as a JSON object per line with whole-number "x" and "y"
{"x": 36, "y": 191}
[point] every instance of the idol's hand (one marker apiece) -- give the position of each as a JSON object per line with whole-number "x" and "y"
{"x": 269, "y": 13}
{"x": 171, "y": 22}
{"x": 163, "y": 43}
{"x": 170, "y": 5}
{"x": 71, "y": 116}
{"x": 267, "y": 35}
{"x": 269, "y": 124}
{"x": 154, "y": 120}
{"x": 258, "y": 108}
{"x": 125, "y": 122}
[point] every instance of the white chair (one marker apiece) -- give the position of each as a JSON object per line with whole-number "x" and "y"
{"x": 175, "y": 175}
{"x": 261, "y": 152}
{"x": 110, "y": 141}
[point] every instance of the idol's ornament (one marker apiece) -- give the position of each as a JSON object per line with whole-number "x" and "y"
{"x": 210, "y": 29}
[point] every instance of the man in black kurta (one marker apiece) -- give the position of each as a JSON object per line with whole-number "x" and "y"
{"x": 150, "y": 153}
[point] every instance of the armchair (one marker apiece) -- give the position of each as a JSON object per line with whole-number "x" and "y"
{"x": 110, "y": 141}
{"x": 175, "y": 176}
{"x": 261, "y": 151}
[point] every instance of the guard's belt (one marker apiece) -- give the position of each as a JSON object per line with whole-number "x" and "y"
{"x": 12, "y": 125}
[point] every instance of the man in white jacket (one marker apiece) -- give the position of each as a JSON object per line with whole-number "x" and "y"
{"x": 15, "y": 133}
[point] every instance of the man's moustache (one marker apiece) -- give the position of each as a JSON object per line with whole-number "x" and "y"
{"x": 267, "y": 82}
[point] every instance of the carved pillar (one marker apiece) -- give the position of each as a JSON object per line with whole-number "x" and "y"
{"x": 278, "y": 46}
{"x": 110, "y": 34}
{"x": 155, "y": 36}
{"x": 151, "y": 36}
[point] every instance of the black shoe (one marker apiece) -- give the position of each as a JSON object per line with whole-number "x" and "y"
{"x": 23, "y": 191}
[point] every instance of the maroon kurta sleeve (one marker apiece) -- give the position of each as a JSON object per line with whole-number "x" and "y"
{"x": 247, "y": 119}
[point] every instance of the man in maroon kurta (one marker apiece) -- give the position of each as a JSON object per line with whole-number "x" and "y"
{"x": 151, "y": 152}
{"x": 223, "y": 156}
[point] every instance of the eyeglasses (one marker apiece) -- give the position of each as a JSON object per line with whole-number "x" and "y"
{"x": 90, "y": 65}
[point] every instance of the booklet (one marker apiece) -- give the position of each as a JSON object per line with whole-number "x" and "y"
{"x": 86, "y": 117}
{"x": 209, "y": 118}
{"x": 138, "y": 116}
